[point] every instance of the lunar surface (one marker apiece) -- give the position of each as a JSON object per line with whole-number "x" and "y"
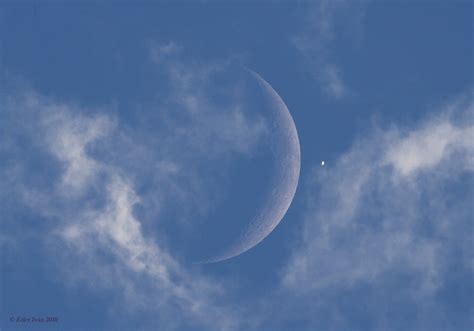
{"x": 283, "y": 176}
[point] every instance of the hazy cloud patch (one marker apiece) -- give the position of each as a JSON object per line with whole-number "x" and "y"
{"x": 393, "y": 215}
{"x": 315, "y": 39}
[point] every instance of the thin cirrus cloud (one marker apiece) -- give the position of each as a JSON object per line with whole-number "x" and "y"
{"x": 382, "y": 219}
{"x": 315, "y": 39}
{"x": 98, "y": 168}
{"x": 80, "y": 232}
{"x": 190, "y": 83}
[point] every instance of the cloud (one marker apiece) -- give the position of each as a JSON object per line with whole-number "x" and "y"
{"x": 392, "y": 216}
{"x": 314, "y": 40}
{"x": 102, "y": 184}
{"x": 68, "y": 137}
{"x": 114, "y": 228}
{"x": 190, "y": 99}
{"x": 107, "y": 239}
{"x": 160, "y": 52}
{"x": 430, "y": 145}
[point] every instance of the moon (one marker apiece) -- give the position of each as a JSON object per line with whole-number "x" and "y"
{"x": 284, "y": 176}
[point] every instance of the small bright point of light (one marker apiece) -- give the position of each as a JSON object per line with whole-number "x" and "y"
{"x": 322, "y": 163}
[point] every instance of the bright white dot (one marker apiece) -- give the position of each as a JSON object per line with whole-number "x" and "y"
{"x": 322, "y": 163}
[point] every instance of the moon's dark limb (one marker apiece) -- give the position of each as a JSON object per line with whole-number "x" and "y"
{"x": 286, "y": 162}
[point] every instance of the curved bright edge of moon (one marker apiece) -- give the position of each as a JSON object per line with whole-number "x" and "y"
{"x": 284, "y": 180}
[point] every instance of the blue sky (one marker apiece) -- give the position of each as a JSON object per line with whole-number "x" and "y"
{"x": 133, "y": 141}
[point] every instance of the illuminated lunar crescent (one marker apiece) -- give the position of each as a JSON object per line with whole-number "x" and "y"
{"x": 286, "y": 160}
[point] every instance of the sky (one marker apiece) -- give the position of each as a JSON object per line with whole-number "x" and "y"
{"x": 134, "y": 143}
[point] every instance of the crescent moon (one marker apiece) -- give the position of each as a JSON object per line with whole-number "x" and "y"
{"x": 286, "y": 160}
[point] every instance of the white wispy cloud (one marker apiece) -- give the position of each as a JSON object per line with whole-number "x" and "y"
{"x": 160, "y": 52}
{"x": 191, "y": 85}
{"x": 320, "y": 22}
{"x": 395, "y": 206}
{"x": 434, "y": 143}
{"x": 97, "y": 168}
{"x": 68, "y": 137}
{"x": 115, "y": 230}
{"x": 106, "y": 238}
